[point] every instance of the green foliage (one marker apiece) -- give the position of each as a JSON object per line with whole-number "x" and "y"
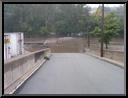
{"x": 111, "y": 28}
{"x": 39, "y": 19}
{"x": 63, "y": 19}
{"x": 44, "y": 31}
{"x": 96, "y": 32}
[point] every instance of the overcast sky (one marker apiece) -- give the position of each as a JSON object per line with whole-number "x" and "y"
{"x": 107, "y": 5}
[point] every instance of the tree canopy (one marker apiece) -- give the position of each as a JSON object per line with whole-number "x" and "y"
{"x": 111, "y": 28}
{"x": 41, "y": 19}
{"x": 47, "y": 19}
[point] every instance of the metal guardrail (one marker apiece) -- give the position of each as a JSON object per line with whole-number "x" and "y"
{"x": 18, "y": 69}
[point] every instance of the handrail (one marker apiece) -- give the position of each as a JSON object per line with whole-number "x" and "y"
{"x": 24, "y": 55}
{"x": 18, "y": 69}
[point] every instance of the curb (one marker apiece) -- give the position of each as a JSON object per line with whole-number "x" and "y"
{"x": 118, "y": 64}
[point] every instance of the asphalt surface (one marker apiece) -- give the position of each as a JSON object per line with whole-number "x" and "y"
{"x": 75, "y": 73}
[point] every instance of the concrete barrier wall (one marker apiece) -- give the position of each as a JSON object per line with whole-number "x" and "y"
{"x": 110, "y": 54}
{"x": 115, "y": 55}
{"x": 18, "y": 69}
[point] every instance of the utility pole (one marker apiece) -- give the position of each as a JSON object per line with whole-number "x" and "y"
{"x": 102, "y": 44}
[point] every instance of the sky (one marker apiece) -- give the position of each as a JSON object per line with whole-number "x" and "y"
{"x": 95, "y": 6}
{"x": 107, "y": 5}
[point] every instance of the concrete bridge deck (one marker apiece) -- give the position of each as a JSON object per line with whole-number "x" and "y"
{"x": 75, "y": 73}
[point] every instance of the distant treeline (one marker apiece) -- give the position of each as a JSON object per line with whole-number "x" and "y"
{"x": 53, "y": 19}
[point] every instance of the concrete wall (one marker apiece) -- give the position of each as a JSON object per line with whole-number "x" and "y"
{"x": 115, "y": 55}
{"x": 18, "y": 69}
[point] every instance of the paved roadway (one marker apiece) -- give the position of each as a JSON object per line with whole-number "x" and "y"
{"x": 75, "y": 73}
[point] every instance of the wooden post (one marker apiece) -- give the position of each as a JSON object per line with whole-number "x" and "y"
{"x": 88, "y": 40}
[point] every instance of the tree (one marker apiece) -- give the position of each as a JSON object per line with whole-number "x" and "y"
{"x": 71, "y": 19}
{"x": 63, "y": 19}
{"x": 66, "y": 19}
{"x": 44, "y": 31}
{"x": 111, "y": 29}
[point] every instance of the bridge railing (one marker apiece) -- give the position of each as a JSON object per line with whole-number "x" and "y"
{"x": 18, "y": 69}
